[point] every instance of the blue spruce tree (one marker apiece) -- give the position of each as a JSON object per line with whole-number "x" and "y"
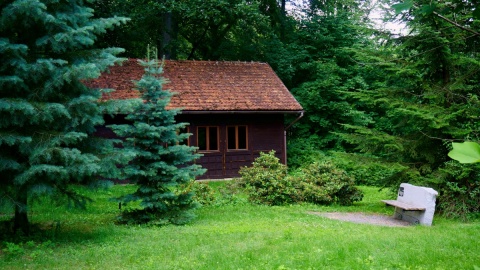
{"x": 46, "y": 113}
{"x": 162, "y": 163}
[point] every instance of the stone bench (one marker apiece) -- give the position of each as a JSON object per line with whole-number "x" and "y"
{"x": 414, "y": 204}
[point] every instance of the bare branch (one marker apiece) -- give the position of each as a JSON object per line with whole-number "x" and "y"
{"x": 456, "y": 24}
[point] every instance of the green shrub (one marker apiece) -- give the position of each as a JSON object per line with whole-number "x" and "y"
{"x": 366, "y": 170}
{"x": 304, "y": 151}
{"x": 13, "y": 249}
{"x": 459, "y": 190}
{"x": 324, "y": 183}
{"x": 203, "y": 193}
{"x": 232, "y": 193}
{"x": 267, "y": 182}
{"x": 216, "y": 193}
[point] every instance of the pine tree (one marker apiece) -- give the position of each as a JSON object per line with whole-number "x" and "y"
{"x": 46, "y": 112}
{"x": 162, "y": 162}
{"x": 424, "y": 96}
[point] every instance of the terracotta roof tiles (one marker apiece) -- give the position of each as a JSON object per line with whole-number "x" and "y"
{"x": 207, "y": 85}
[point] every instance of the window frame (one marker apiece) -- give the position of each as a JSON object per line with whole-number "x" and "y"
{"x": 207, "y": 139}
{"x": 237, "y": 143}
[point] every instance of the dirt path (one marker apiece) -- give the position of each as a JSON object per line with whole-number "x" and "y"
{"x": 374, "y": 219}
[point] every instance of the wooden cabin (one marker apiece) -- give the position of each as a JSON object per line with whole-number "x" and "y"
{"x": 235, "y": 109}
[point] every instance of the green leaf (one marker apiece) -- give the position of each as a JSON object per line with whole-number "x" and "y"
{"x": 476, "y": 13}
{"x": 467, "y": 152}
{"x": 399, "y": 8}
{"x": 427, "y": 9}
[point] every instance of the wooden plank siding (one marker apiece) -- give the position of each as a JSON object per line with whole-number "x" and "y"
{"x": 265, "y": 133}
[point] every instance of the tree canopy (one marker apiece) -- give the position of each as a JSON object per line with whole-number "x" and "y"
{"x": 46, "y": 113}
{"x": 424, "y": 96}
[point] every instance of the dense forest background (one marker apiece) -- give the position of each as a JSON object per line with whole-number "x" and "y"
{"x": 383, "y": 106}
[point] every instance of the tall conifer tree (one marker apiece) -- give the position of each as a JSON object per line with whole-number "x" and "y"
{"x": 162, "y": 161}
{"x": 423, "y": 95}
{"x": 46, "y": 113}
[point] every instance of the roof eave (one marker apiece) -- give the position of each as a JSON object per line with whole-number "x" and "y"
{"x": 243, "y": 112}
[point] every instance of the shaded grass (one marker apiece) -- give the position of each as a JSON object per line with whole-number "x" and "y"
{"x": 243, "y": 236}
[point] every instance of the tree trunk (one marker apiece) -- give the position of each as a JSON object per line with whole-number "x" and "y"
{"x": 20, "y": 221}
{"x": 283, "y": 15}
{"x": 166, "y": 37}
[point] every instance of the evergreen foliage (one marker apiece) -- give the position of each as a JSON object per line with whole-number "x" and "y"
{"x": 162, "y": 163}
{"x": 321, "y": 78}
{"x": 46, "y": 113}
{"x": 422, "y": 96}
{"x": 460, "y": 190}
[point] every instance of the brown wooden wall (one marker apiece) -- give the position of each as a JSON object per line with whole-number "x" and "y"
{"x": 265, "y": 133}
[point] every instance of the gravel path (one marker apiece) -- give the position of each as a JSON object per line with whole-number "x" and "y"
{"x": 373, "y": 219}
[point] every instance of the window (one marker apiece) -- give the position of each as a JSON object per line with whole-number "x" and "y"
{"x": 237, "y": 137}
{"x": 207, "y": 138}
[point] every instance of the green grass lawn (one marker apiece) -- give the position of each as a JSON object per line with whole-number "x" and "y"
{"x": 242, "y": 236}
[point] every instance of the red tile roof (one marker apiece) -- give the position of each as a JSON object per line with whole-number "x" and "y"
{"x": 207, "y": 85}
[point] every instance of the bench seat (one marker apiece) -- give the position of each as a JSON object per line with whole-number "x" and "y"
{"x": 404, "y": 206}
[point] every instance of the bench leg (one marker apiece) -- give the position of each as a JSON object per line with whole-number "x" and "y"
{"x": 398, "y": 214}
{"x": 410, "y": 216}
